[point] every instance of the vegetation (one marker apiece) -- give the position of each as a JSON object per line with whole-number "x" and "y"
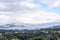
{"x": 42, "y": 34}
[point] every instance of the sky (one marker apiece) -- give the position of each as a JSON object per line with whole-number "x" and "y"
{"x": 29, "y": 11}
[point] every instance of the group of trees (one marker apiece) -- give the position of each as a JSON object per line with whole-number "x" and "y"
{"x": 35, "y": 35}
{"x": 42, "y": 34}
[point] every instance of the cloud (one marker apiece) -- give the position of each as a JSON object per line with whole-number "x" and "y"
{"x": 4, "y": 19}
{"x": 6, "y": 13}
{"x": 57, "y": 3}
{"x": 27, "y": 11}
{"x": 2, "y": 5}
{"x": 29, "y": 5}
{"x": 51, "y": 3}
{"x": 37, "y": 16}
{"x": 17, "y": 5}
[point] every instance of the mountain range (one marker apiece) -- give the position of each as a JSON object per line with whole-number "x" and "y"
{"x": 21, "y": 26}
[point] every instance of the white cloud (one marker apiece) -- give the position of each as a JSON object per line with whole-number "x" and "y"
{"x": 7, "y": 13}
{"x": 2, "y": 5}
{"x": 57, "y": 3}
{"x": 37, "y": 16}
{"x": 51, "y": 3}
{"x": 26, "y": 15}
{"x": 4, "y": 19}
{"x": 27, "y": 0}
{"x": 28, "y": 4}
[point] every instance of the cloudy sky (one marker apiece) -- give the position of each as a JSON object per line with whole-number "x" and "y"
{"x": 29, "y": 11}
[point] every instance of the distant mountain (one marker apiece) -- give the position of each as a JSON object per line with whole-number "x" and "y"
{"x": 21, "y": 26}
